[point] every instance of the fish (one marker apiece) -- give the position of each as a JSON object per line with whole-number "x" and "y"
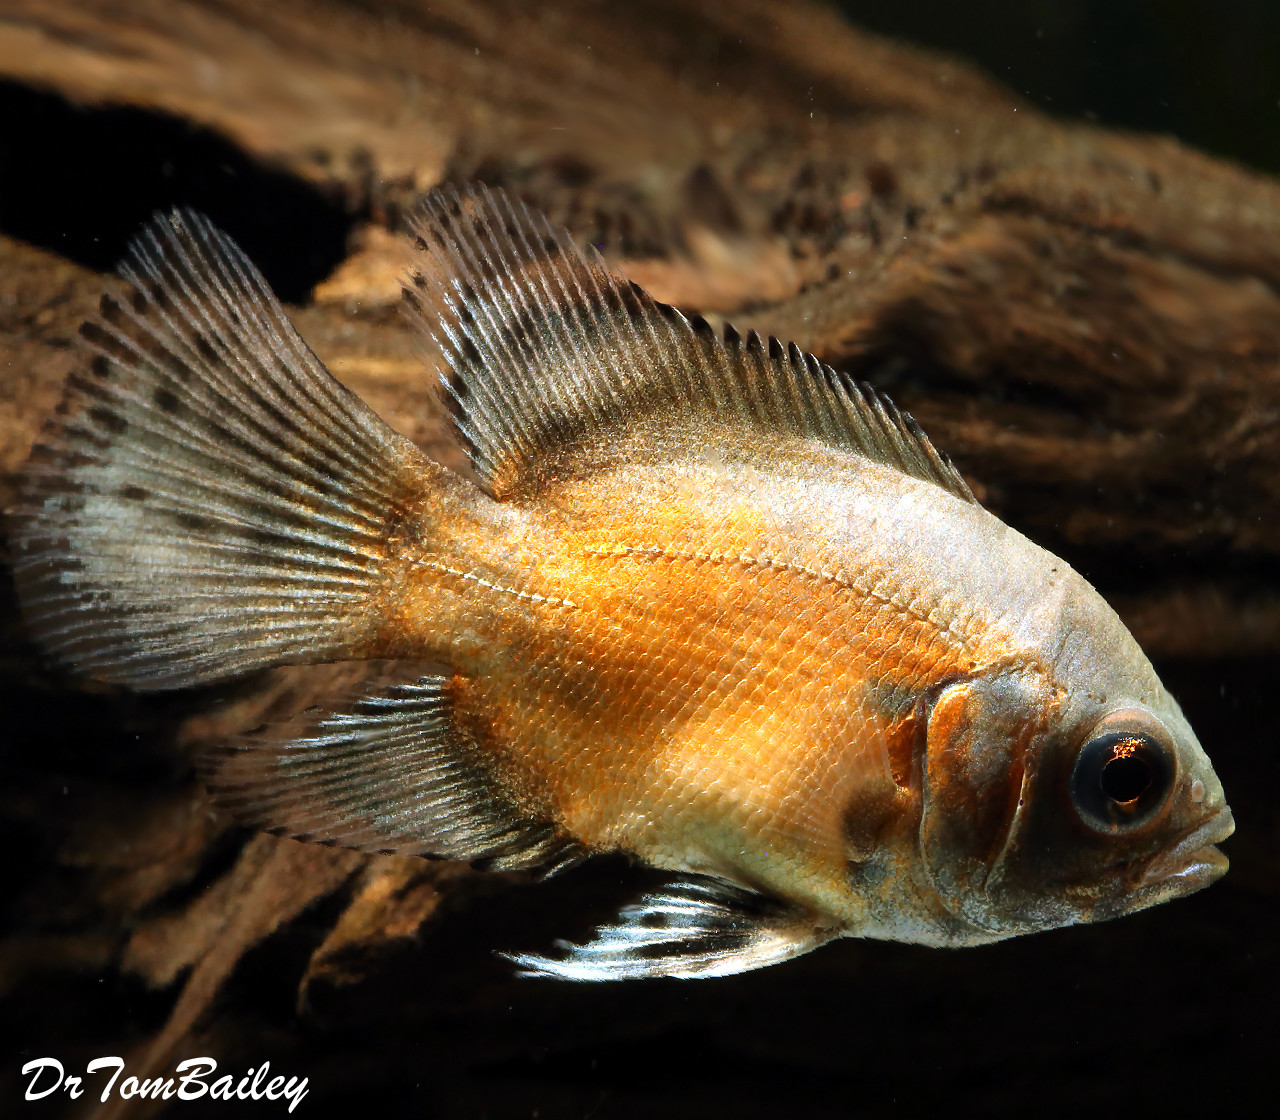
{"x": 703, "y": 600}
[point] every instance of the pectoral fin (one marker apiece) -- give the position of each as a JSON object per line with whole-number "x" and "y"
{"x": 695, "y": 927}
{"x": 389, "y": 772}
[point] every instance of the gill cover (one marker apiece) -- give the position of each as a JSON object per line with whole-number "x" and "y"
{"x": 981, "y": 734}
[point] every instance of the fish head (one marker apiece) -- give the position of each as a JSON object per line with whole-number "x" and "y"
{"x": 1061, "y": 793}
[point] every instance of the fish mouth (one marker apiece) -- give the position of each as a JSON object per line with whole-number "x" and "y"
{"x": 1193, "y": 862}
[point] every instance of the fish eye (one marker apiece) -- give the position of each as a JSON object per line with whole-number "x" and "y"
{"x": 1121, "y": 779}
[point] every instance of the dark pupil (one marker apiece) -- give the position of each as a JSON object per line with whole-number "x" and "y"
{"x": 1125, "y": 777}
{"x": 1120, "y": 780}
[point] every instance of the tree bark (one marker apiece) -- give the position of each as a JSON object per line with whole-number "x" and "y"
{"x": 1087, "y": 322}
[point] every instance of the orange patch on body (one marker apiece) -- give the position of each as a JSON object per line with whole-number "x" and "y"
{"x": 690, "y": 681}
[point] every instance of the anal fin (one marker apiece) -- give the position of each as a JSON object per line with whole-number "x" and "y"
{"x": 389, "y": 771}
{"x": 696, "y": 926}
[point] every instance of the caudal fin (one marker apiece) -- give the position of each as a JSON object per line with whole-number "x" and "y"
{"x": 208, "y": 499}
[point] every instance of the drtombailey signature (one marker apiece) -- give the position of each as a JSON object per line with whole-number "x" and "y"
{"x": 191, "y": 1081}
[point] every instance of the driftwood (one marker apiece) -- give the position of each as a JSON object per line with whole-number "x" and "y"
{"x": 1087, "y": 322}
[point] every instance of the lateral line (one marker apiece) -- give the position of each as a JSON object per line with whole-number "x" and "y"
{"x": 530, "y": 596}
{"x": 745, "y": 560}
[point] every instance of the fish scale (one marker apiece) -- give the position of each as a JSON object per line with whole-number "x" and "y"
{"x": 710, "y": 602}
{"x": 721, "y": 580}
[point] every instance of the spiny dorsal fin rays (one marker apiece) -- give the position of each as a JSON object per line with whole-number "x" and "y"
{"x": 545, "y": 345}
{"x": 388, "y": 771}
{"x": 209, "y": 500}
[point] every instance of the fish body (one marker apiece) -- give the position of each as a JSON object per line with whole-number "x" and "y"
{"x": 711, "y": 604}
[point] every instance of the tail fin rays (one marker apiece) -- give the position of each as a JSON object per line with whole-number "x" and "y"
{"x": 208, "y": 500}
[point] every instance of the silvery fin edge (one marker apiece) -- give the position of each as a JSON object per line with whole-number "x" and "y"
{"x": 695, "y": 927}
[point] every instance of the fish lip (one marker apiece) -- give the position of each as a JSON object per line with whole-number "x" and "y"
{"x": 1193, "y": 862}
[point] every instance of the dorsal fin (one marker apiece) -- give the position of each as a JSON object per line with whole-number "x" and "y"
{"x": 545, "y": 345}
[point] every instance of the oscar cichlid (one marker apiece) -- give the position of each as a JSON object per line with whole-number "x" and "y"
{"x": 712, "y": 603}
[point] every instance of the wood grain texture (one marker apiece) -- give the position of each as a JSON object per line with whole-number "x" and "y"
{"x": 1087, "y": 322}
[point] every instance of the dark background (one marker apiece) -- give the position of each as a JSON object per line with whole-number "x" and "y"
{"x": 1170, "y": 1013}
{"x": 1209, "y": 73}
